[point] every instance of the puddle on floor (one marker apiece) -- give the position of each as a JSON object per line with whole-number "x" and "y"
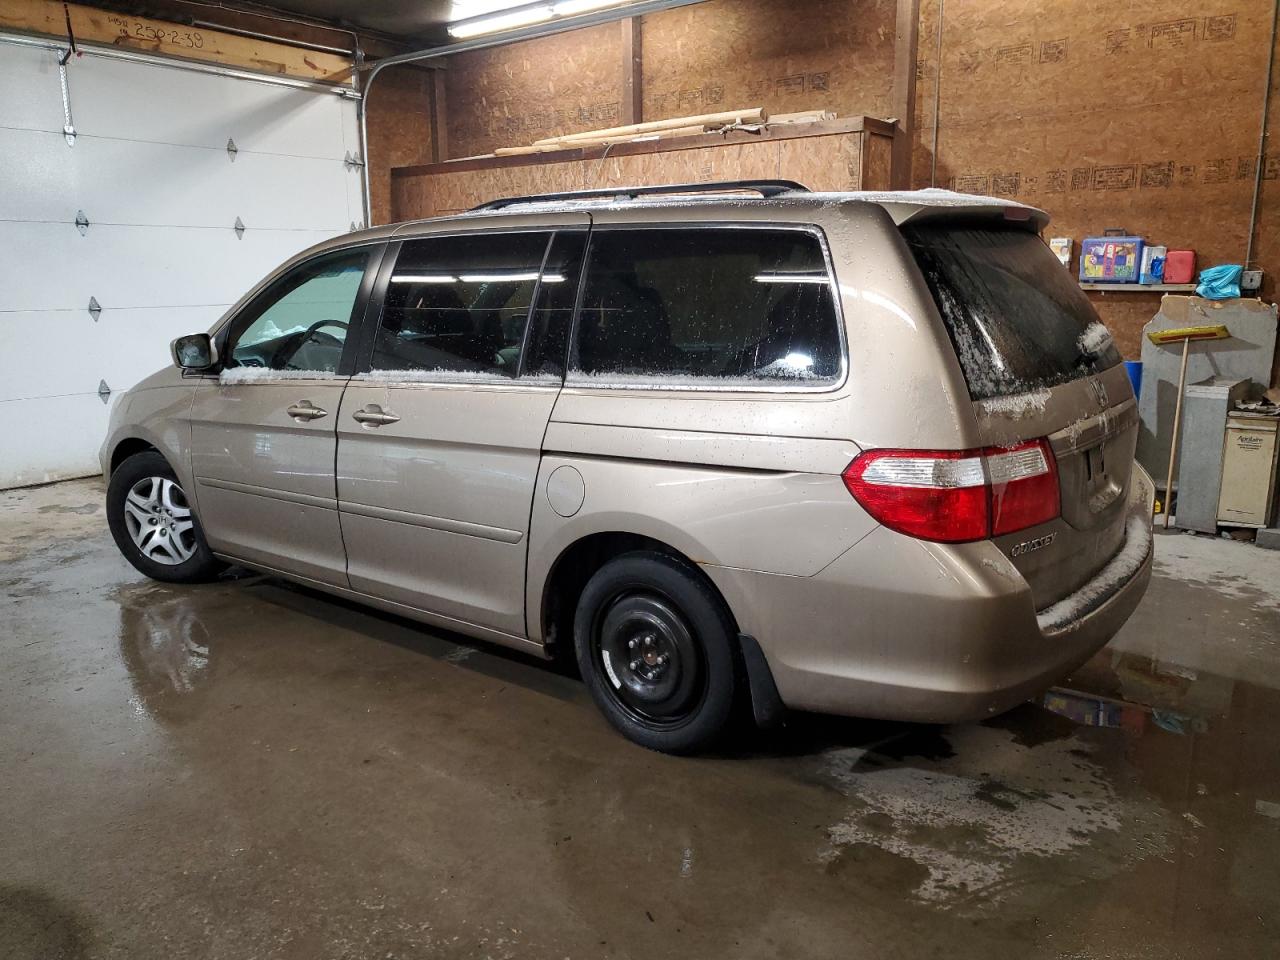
{"x": 983, "y": 820}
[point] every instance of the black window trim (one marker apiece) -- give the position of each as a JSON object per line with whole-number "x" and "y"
{"x": 373, "y": 310}
{"x": 602, "y": 383}
{"x": 224, "y": 328}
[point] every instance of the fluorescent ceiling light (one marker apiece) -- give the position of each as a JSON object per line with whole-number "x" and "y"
{"x": 424, "y": 278}
{"x": 569, "y": 8}
{"x": 471, "y": 18}
{"x": 501, "y": 21}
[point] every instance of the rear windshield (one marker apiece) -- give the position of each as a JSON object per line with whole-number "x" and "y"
{"x": 1018, "y": 320}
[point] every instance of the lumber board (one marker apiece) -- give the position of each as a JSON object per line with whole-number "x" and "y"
{"x": 130, "y": 32}
{"x": 803, "y": 116}
{"x": 747, "y": 115}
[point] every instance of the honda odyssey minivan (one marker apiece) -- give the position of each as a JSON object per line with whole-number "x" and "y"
{"x": 729, "y": 444}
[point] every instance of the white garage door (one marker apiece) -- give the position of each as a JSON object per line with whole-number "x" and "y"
{"x": 150, "y": 170}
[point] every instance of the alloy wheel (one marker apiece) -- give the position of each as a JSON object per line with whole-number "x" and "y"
{"x": 159, "y": 521}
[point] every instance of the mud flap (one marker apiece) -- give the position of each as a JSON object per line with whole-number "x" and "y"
{"x": 766, "y": 705}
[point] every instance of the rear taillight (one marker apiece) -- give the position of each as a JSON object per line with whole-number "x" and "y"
{"x": 953, "y": 496}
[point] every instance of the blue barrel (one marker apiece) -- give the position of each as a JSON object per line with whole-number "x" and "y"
{"x": 1134, "y": 369}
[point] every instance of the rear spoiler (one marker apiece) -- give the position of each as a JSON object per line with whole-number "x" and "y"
{"x": 914, "y": 206}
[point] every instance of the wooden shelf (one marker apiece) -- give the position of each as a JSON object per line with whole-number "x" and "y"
{"x": 1138, "y": 287}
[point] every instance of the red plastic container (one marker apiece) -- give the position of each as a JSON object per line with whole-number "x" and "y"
{"x": 1180, "y": 266}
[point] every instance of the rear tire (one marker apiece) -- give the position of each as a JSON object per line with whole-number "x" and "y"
{"x": 153, "y": 524}
{"x": 654, "y": 645}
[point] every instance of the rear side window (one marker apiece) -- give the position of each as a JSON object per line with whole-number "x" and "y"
{"x": 707, "y": 306}
{"x": 457, "y": 307}
{"x": 1017, "y": 319}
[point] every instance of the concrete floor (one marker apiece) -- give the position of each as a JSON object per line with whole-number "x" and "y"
{"x": 247, "y": 769}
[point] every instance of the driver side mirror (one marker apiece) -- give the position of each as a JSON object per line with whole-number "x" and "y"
{"x": 194, "y": 352}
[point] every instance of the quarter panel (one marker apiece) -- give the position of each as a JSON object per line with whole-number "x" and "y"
{"x": 785, "y": 523}
{"x": 730, "y": 450}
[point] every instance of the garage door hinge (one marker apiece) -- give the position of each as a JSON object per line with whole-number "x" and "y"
{"x": 352, "y": 160}
{"x": 82, "y": 222}
{"x": 232, "y": 149}
{"x": 239, "y": 228}
{"x": 95, "y": 308}
{"x": 104, "y": 392}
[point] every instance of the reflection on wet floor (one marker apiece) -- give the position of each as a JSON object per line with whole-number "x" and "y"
{"x": 295, "y": 776}
{"x": 164, "y": 644}
{"x": 1132, "y": 691}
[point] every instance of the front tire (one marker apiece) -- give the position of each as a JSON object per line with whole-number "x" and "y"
{"x": 153, "y": 524}
{"x": 655, "y": 647}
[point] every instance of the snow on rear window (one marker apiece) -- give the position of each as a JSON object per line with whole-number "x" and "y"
{"x": 1019, "y": 322}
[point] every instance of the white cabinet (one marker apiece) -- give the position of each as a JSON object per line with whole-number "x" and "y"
{"x": 1248, "y": 471}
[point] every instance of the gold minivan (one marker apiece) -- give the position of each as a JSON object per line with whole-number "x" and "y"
{"x": 865, "y": 454}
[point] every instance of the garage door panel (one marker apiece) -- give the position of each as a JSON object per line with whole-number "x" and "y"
{"x": 52, "y": 439}
{"x": 355, "y": 200}
{"x": 258, "y": 116}
{"x": 55, "y": 353}
{"x": 135, "y": 343}
{"x": 117, "y": 181}
{"x": 350, "y": 120}
{"x": 32, "y": 91}
{"x": 149, "y": 168}
{"x": 258, "y": 180}
{"x": 138, "y": 266}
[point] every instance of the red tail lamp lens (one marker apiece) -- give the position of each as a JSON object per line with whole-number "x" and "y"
{"x": 954, "y": 496}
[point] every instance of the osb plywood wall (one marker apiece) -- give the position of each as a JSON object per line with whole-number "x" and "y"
{"x": 1105, "y": 114}
{"x": 778, "y": 54}
{"x": 541, "y": 88}
{"x": 718, "y": 55}
{"x": 399, "y": 130}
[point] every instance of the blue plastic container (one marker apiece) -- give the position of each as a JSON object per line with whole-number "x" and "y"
{"x": 1134, "y": 369}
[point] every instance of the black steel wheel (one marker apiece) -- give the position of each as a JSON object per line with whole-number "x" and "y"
{"x": 655, "y": 647}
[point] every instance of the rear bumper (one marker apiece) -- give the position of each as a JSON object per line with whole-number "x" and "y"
{"x": 901, "y": 629}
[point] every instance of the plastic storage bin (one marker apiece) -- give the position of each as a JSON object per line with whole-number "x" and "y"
{"x": 1110, "y": 259}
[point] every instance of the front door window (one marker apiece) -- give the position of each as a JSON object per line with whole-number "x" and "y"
{"x": 298, "y": 326}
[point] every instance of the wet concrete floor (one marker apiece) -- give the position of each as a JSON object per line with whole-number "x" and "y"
{"x": 248, "y": 769}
